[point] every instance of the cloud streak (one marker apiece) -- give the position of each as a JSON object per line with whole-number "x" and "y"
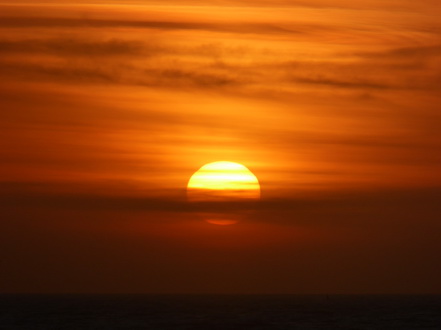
{"x": 340, "y": 209}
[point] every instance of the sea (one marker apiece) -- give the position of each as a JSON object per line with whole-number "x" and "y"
{"x": 220, "y": 312}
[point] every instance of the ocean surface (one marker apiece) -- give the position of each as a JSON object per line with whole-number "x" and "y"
{"x": 219, "y": 312}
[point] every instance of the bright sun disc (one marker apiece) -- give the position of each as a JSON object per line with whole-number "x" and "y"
{"x": 223, "y": 182}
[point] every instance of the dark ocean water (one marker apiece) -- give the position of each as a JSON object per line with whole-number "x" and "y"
{"x": 219, "y": 312}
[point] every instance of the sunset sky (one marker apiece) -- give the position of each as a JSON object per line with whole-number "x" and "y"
{"x": 109, "y": 107}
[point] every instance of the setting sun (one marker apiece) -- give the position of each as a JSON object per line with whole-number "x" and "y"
{"x": 223, "y": 182}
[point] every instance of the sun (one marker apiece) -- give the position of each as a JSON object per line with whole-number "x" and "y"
{"x": 224, "y": 182}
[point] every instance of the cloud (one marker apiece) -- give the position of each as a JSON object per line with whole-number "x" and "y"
{"x": 71, "y": 47}
{"x": 387, "y": 207}
{"x": 406, "y": 53}
{"x": 160, "y": 64}
{"x": 341, "y": 83}
{"x": 274, "y": 52}
{"x": 230, "y": 27}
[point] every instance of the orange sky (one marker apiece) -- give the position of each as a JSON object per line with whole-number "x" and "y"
{"x": 108, "y": 108}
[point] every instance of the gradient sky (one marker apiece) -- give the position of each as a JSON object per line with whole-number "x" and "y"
{"x": 108, "y": 108}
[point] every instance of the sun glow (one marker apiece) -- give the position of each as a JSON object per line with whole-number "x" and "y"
{"x": 223, "y": 182}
